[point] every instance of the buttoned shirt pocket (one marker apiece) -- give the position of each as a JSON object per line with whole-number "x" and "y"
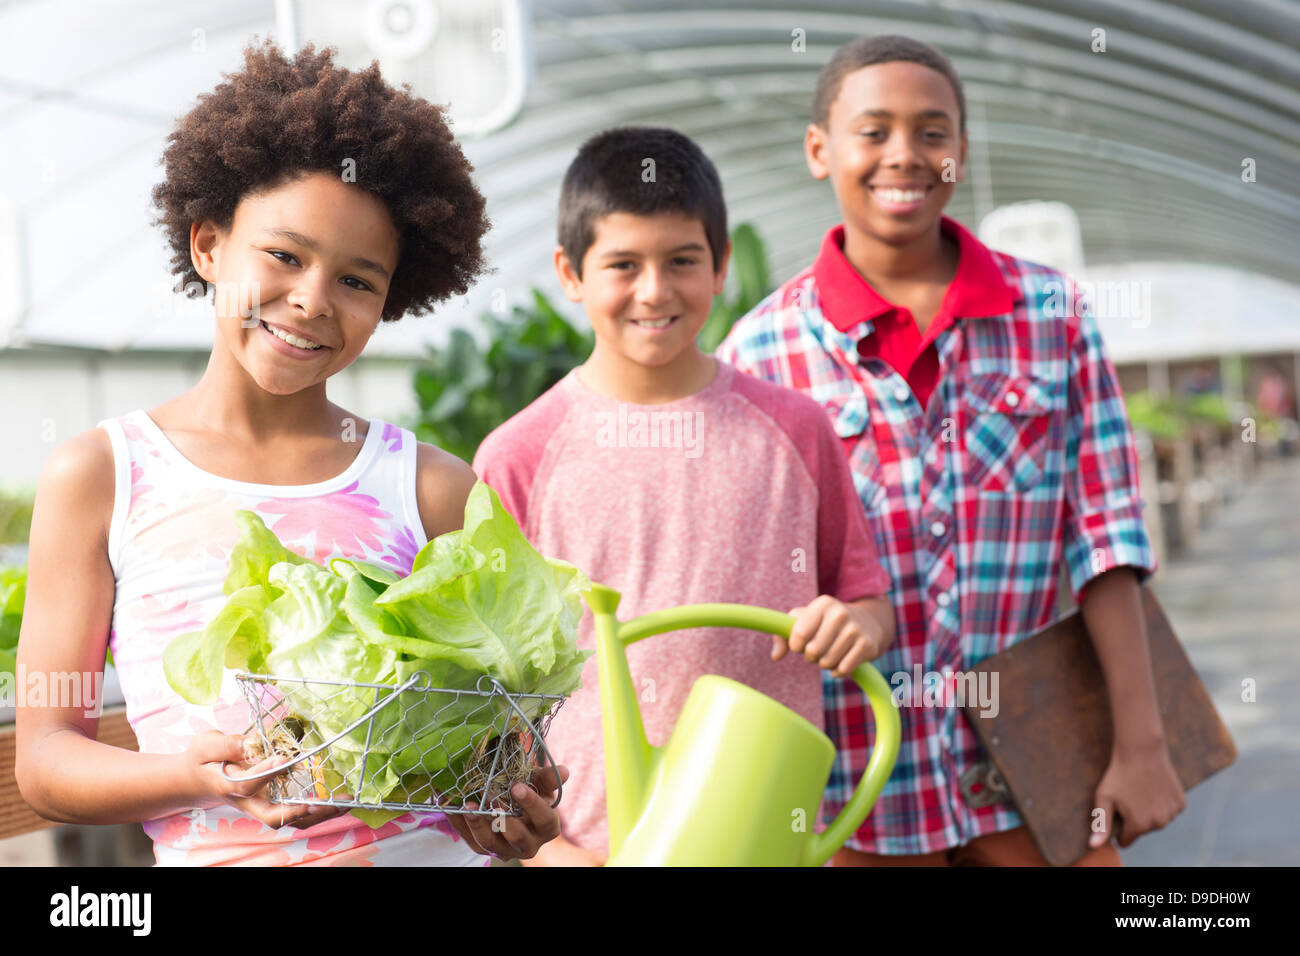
{"x": 1009, "y": 427}
{"x": 844, "y": 403}
{"x": 846, "y": 406}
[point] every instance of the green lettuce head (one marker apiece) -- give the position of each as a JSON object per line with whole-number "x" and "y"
{"x": 479, "y": 601}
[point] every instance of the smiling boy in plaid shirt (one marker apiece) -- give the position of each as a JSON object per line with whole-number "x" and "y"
{"x": 988, "y": 443}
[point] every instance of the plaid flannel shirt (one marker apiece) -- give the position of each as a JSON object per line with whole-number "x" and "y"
{"x": 1023, "y": 458}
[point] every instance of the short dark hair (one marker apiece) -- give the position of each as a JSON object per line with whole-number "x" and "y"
{"x": 277, "y": 119}
{"x": 869, "y": 51}
{"x": 609, "y": 175}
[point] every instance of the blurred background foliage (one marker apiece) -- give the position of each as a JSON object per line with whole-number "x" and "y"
{"x": 15, "y": 529}
{"x": 16, "y": 516}
{"x": 1175, "y": 417}
{"x": 751, "y": 277}
{"x": 464, "y": 390}
{"x": 13, "y": 595}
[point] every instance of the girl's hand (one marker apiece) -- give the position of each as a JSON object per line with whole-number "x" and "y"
{"x": 516, "y": 838}
{"x": 834, "y": 635}
{"x": 203, "y": 759}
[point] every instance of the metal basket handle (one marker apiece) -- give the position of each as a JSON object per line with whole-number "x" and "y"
{"x": 536, "y": 735}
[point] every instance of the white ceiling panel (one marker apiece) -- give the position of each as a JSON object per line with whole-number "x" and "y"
{"x": 1144, "y": 141}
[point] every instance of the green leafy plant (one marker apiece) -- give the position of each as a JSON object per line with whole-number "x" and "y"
{"x": 1159, "y": 418}
{"x": 464, "y": 391}
{"x": 16, "y": 516}
{"x": 1209, "y": 407}
{"x": 753, "y": 284}
{"x": 13, "y": 599}
{"x": 13, "y": 592}
{"x": 1173, "y": 418}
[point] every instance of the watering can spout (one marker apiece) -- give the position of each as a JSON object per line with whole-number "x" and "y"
{"x": 602, "y": 600}
{"x": 627, "y": 752}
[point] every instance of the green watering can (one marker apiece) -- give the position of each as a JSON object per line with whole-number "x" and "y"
{"x": 740, "y": 780}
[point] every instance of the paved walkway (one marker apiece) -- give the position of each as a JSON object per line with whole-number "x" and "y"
{"x": 1234, "y": 600}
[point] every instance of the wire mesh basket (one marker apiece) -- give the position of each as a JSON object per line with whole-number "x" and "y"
{"x": 406, "y": 747}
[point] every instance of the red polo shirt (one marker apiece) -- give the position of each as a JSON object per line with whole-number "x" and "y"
{"x": 978, "y": 289}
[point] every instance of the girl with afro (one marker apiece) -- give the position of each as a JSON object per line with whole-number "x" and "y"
{"x": 314, "y": 203}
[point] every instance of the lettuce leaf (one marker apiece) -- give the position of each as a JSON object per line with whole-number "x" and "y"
{"x": 255, "y": 553}
{"x": 494, "y": 603}
{"x": 235, "y": 637}
{"x": 479, "y": 601}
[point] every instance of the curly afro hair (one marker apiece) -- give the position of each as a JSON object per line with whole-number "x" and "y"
{"x": 277, "y": 119}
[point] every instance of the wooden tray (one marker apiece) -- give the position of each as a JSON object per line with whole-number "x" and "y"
{"x": 1051, "y": 738}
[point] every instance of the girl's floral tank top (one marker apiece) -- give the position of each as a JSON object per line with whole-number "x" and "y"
{"x": 170, "y": 539}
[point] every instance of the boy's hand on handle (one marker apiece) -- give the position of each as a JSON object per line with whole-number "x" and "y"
{"x": 516, "y": 838}
{"x": 1141, "y": 789}
{"x": 835, "y": 636}
{"x": 204, "y": 758}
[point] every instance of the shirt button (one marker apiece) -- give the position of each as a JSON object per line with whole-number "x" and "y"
{"x": 943, "y": 599}
{"x": 1013, "y": 399}
{"x": 938, "y": 528}
{"x": 901, "y": 394}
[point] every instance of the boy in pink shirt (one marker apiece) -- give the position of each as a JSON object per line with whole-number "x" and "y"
{"x": 672, "y": 477}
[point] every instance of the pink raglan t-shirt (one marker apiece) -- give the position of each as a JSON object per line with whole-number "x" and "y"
{"x": 739, "y": 493}
{"x": 170, "y": 539}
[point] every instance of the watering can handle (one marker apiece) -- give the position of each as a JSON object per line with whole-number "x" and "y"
{"x": 750, "y": 618}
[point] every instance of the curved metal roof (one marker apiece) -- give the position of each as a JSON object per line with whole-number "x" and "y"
{"x": 1145, "y": 140}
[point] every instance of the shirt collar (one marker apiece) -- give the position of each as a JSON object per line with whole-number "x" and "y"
{"x": 978, "y": 289}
